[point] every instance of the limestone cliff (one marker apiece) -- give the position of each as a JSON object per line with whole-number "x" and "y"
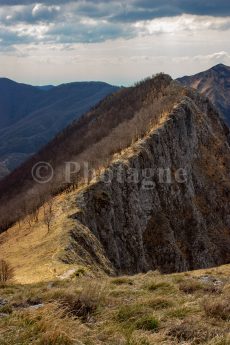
{"x": 150, "y": 223}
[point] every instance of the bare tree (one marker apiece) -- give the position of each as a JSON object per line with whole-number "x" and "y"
{"x": 34, "y": 211}
{"x": 113, "y": 125}
{"x": 6, "y": 271}
{"x": 48, "y": 213}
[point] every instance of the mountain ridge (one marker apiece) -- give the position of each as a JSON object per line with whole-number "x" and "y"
{"x": 173, "y": 226}
{"x": 213, "y": 83}
{"x": 30, "y": 117}
{"x": 163, "y": 241}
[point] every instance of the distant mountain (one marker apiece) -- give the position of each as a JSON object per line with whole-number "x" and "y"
{"x": 31, "y": 116}
{"x": 215, "y": 84}
{"x": 45, "y": 87}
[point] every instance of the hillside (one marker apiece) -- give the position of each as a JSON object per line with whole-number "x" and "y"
{"x": 214, "y": 84}
{"x": 136, "y": 222}
{"x": 79, "y": 141}
{"x": 147, "y": 309}
{"x": 31, "y": 116}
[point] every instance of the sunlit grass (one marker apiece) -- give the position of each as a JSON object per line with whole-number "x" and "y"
{"x": 143, "y": 309}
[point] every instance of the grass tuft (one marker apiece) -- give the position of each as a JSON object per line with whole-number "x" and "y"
{"x": 147, "y": 323}
{"x": 90, "y": 311}
{"x": 190, "y": 286}
{"x": 122, "y": 280}
{"x": 159, "y": 303}
{"x": 160, "y": 286}
{"x": 218, "y": 308}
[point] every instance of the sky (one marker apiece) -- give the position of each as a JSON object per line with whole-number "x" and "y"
{"x": 117, "y": 41}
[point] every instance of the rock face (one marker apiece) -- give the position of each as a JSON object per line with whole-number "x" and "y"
{"x": 214, "y": 84}
{"x": 144, "y": 220}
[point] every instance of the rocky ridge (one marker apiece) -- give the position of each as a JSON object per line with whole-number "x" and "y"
{"x": 149, "y": 223}
{"x": 214, "y": 84}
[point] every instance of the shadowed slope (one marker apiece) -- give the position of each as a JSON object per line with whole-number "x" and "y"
{"x": 30, "y": 116}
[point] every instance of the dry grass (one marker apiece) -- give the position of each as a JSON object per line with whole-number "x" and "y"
{"x": 193, "y": 331}
{"x": 218, "y": 308}
{"x": 81, "y": 304}
{"x": 48, "y": 325}
{"x": 117, "y": 311}
{"x": 190, "y": 286}
{"x": 35, "y": 253}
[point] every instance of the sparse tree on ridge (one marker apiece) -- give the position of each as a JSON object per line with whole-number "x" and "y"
{"x": 48, "y": 213}
{"x": 6, "y": 272}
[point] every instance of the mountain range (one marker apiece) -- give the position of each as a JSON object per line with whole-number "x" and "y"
{"x": 31, "y": 116}
{"x": 214, "y": 84}
{"x": 127, "y": 217}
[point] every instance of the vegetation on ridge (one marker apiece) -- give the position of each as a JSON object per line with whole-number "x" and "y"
{"x": 117, "y": 122}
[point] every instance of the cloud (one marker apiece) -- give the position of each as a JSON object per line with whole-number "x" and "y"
{"x": 29, "y": 2}
{"x": 28, "y": 14}
{"x": 88, "y": 21}
{"x": 11, "y": 37}
{"x": 215, "y": 58}
{"x": 183, "y": 23}
{"x": 44, "y": 12}
{"x": 176, "y": 7}
{"x": 88, "y": 31}
{"x": 132, "y": 10}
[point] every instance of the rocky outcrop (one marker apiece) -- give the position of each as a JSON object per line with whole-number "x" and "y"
{"x": 152, "y": 214}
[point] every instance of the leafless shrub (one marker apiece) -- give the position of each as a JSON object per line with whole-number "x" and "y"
{"x": 6, "y": 272}
{"x": 48, "y": 213}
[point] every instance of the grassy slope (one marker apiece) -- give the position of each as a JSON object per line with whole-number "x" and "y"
{"x": 32, "y": 251}
{"x": 35, "y": 254}
{"x": 145, "y": 309}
